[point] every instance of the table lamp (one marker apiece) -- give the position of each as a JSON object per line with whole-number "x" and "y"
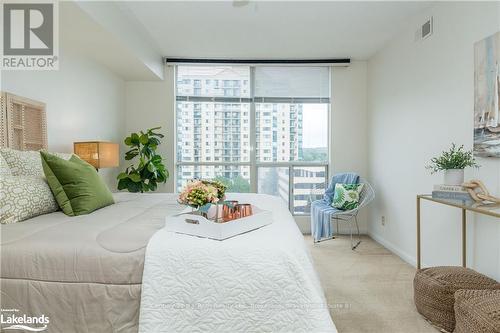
{"x": 99, "y": 154}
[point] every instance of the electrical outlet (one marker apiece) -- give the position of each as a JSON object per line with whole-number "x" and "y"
{"x": 383, "y": 219}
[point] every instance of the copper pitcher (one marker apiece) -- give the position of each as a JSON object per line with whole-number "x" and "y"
{"x": 229, "y": 212}
{"x": 244, "y": 210}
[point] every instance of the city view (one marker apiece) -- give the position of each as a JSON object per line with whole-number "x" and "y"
{"x": 214, "y": 108}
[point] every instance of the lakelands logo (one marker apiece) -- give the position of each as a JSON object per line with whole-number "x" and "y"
{"x": 10, "y": 319}
{"x": 30, "y": 35}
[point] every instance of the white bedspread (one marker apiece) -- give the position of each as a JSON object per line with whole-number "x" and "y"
{"x": 262, "y": 281}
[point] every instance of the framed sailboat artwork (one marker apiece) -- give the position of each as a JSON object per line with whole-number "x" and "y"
{"x": 486, "y": 97}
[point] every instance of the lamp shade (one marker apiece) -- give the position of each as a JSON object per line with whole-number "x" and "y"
{"x": 99, "y": 154}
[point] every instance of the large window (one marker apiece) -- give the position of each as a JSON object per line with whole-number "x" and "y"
{"x": 257, "y": 129}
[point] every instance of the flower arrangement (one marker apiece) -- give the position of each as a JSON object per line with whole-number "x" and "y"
{"x": 201, "y": 194}
{"x": 221, "y": 188}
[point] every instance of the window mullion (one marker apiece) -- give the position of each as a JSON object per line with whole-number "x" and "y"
{"x": 290, "y": 188}
{"x": 253, "y": 138}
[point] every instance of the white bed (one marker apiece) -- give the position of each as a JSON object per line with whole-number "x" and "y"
{"x": 261, "y": 281}
{"x": 86, "y": 273}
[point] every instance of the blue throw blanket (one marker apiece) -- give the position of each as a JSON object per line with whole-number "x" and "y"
{"x": 322, "y": 210}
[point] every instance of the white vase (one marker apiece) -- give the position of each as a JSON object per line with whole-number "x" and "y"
{"x": 454, "y": 177}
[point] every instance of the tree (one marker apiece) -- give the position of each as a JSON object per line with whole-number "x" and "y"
{"x": 240, "y": 184}
{"x": 237, "y": 184}
{"x": 269, "y": 184}
{"x": 314, "y": 154}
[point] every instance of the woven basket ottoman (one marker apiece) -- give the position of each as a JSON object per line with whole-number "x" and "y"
{"x": 477, "y": 311}
{"x": 434, "y": 290}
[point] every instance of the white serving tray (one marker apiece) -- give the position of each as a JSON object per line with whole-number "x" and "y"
{"x": 197, "y": 225}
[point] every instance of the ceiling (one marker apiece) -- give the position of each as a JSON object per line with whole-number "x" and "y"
{"x": 82, "y": 35}
{"x": 261, "y": 29}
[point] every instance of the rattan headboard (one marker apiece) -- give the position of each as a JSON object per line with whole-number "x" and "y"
{"x": 23, "y": 123}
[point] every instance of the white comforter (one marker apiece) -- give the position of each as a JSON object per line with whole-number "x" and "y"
{"x": 261, "y": 281}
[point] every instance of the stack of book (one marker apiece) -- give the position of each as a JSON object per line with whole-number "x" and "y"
{"x": 453, "y": 192}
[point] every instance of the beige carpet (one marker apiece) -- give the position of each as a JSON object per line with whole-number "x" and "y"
{"x": 370, "y": 288}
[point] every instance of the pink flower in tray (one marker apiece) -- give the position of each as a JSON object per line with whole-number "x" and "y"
{"x": 198, "y": 193}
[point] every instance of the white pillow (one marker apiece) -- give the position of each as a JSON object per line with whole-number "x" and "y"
{"x": 26, "y": 163}
{"x": 24, "y": 197}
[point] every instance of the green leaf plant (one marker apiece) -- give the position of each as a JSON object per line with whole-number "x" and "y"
{"x": 454, "y": 158}
{"x": 150, "y": 171}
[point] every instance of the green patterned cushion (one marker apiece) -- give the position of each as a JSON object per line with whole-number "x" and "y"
{"x": 346, "y": 196}
{"x": 4, "y": 167}
{"x": 26, "y": 163}
{"x": 24, "y": 197}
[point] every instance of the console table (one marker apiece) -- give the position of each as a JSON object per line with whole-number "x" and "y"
{"x": 485, "y": 209}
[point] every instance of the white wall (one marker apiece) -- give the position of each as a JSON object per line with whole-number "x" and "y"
{"x": 420, "y": 97}
{"x": 349, "y": 125}
{"x": 150, "y": 104}
{"x": 84, "y": 101}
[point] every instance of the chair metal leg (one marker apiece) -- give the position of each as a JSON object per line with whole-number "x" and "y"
{"x": 359, "y": 235}
{"x": 322, "y": 240}
{"x": 350, "y": 231}
{"x": 350, "y": 221}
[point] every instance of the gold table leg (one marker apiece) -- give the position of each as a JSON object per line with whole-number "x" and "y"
{"x": 418, "y": 233}
{"x": 464, "y": 238}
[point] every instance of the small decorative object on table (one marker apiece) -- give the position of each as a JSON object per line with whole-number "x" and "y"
{"x": 210, "y": 210}
{"x": 453, "y": 162}
{"x": 452, "y": 192}
{"x": 201, "y": 195}
{"x": 479, "y": 192}
{"x": 197, "y": 225}
{"x": 229, "y": 211}
{"x": 244, "y": 210}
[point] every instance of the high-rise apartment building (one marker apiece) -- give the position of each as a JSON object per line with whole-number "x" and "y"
{"x": 215, "y": 132}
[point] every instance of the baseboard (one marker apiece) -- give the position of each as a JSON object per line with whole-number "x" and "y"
{"x": 394, "y": 249}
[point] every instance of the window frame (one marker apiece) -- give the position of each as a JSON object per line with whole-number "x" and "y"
{"x": 253, "y": 164}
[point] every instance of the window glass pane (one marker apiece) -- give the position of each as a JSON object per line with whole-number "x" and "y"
{"x": 291, "y": 132}
{"x": 213, "y": 81}
{"x": 213, "y": 132}
{"x": 308, "y": 185}
{"x": 294, "y": 81}
{"x": 236, "y": 177}
{"x": 274, "y": 181}
{"x": 213, "y": 113}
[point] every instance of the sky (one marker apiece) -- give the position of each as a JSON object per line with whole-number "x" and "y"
{"x": 315, "y": 125}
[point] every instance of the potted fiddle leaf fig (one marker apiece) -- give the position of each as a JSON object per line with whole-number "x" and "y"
{"x": 453, "y": 162}
{"x": 150, "y": 170}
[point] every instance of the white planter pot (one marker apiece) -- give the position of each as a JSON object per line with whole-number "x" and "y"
{"x": 454, "y": 177}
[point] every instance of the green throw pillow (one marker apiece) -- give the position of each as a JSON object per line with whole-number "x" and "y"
{"x": 346, "y": 196}
{"x": 77, "y": 187}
